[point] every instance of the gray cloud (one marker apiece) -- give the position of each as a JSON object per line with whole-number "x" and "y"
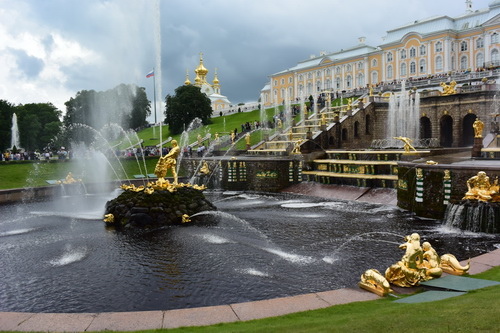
{"x": 28, "y": 65}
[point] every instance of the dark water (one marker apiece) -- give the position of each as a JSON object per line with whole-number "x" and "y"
{"x": 59, "y": 256}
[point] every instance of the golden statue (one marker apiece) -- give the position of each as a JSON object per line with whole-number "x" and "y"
{"x": 233, "y": 136}
{"x": 280, "y": 123}
{"x": 247, "y": 138}
{"x": 109, "y": 218}
{"x": 216, "y": 137}
{"x": 296, "y": 147}
{"x": 349, "y": 104}
{"x": 407, "y": 143}
{"x": 69, "y": 179}
{"x": 372, "y": 280}
{"x": 185, "y": 218}
{"x": 448, "y": 89}
{"x": 431, "y": 261}
{"x": 451, "y": 265}
{"x": 478, "y": 126}
{"x": 204, "y": 168}
{"x": 479, "y": 188}
{"x": 168, "y": 161}
{"x": 323, "y": 119}
{"x": 408, "y": 271}
{"x": 199, "y": 139}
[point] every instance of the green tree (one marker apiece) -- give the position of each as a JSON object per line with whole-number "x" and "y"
{"x": 38, "y": 124}
{"x": 141, "y": 109}
{"x": 6, "y": 111}
{"x": 187, "y": 104}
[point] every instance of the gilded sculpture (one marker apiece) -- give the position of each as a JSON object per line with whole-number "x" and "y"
{"x": 204, "y": 168}
{"x": 478, "y": 126}
{"x": 448, "y": 89}
{"x": 421, "y": 263}
{"x": 407, "y": 143}
{"x": 167, "y": 162}
{"x": 480, "y": 188}
{"x": 372, "y": 280}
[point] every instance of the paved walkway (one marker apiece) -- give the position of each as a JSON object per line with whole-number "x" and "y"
{"x": 130, "y": 321}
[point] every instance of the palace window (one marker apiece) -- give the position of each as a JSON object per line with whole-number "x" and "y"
{"x": 328, "y": 72}
{"x": 361, "y": 80}
{"x": 290, "y": 92}
{"x": 463, "y": 46}
{"x": 318, "y": 73}
{"x": 328, "y": 84}
{"x": 403, "y": 69}
{"x": 389, "y": 57}
{"x": 464, "y": 64}
{"x": 282, "y": 81}
{"x": 275, "y": 82}
{"x": 360, "y": 65}
{"x": 318, "y": 85}
{"x": 389, "y": 72}
{"x": 422, "y": 66}
{"x": 309, "y": 88}
{"x": 413, "y": 52}
{"x": 374, "y": 63}
{"x": 423, "y": 50}
{"x": 348, "y": 81}
{"x": 439, "y": 47}
{"x": 479, "y": 43}
{"x": 301, "y": 90}
{"x": 494, "y": 38}
{"x": 337, "y": 82}
{"x": 290, "y": 79}
{"x": 495, "y": 57}
{"x": 309, "y": 75}
{"x": 337, "y": 70}
{"x": 413, "y": 67}
{"x": 301, "y": 77}
{"x": 439, "y": 63}
{"x": 480, "y": 60}
{"x": 349, "y": 68}
{"x": 403, "y": 54}
{"x": 374, "y": 77}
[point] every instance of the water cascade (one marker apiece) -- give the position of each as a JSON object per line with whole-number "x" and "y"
{"x": 475, "y": 216}
{"x": 403, "y": 119}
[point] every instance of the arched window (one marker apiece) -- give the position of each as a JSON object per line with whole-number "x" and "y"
{"x": 374, "y": 77}
{"x": 389, "y": 57}
{"x": 318, "y": 85}
{"x": 413, "y": 67}
{"x": 464, "y": 64}
{"x": 356, "y": 129}
{"x": 479, "y": 43}
{"x": 422, "y": 66}
{"x": 328, "y": 71}
{"x": 413, "y": 52}
{"x": 337, "y": 70}
{"x": 494, "y": 38}
{"x": 361, "y": 79}
{"x": 328, "y": 84}
{"x": 290, "y": 79}
{"x": 349, "y": 68}
{"x": 301, "y": 77}
{"x": 309, "y": 75}
{"x": 309, "y": 88}
{"x": 301, "y": 90}
{"x": 403, "y": 54}
{"x": 290, "y": 92}
{"x": 463, "y": 46}
{"x": 453, "y": 66}
{"x": 389, "y": 72}
{"x": 282, "y": 81}
{"x": 439, "y": 63}
{"x": 348, "y": 81}
{"x": 423, "y": 50}
{"x": 374, "y": 63}
{"x": 403, "y": 69}
{"x": 439, "y": 47}
{"x": 337, "y": 82}
{"x": 282, "y": 93}
{"x": 479, "y": 60}
{"x": 360, "y": 65}
{"x": 495, "y": 58}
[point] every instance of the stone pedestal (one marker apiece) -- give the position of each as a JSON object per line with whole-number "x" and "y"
{"x": 476, "y": 149}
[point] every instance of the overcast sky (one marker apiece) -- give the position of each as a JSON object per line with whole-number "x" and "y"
{"x": 51, "y": 49}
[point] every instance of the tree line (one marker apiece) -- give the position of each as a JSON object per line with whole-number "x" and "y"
{"x": 42, "y": 125}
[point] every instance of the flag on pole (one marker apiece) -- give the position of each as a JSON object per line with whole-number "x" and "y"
{"x": 152, "y": 73}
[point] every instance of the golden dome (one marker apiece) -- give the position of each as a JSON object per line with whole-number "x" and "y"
{"x": 201, "y": 70}
{"x": 216, "y": 79}
{"x": 187, "y": 82}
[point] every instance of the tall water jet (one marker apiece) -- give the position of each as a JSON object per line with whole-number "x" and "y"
{"x": 158, "y": 80}
{"x": 14, "y": 141}
{"x": 403, "y": 119}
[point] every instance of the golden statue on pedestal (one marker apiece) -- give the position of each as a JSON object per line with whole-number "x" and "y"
{"x": 167, "y": 162}
{"x": 407, "y": 143}
{"x": 480, "y": 188}
{"x": 478, "y": 126}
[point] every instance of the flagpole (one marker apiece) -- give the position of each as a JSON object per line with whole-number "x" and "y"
{"x": 154, "y": 103}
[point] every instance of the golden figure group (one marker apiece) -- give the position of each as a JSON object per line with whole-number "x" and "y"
{"x": 480, "y": 188}
{"x": 167, "y": 162}
{"x": 448, "y": 89}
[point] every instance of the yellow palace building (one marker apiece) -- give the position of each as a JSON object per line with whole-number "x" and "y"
{"x": 436, "y": 46}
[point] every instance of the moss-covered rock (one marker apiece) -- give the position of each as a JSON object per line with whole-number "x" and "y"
{"x": 143, "y": 210}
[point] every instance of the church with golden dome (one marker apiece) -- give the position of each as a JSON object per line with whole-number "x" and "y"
{"x": 218, "y": 101}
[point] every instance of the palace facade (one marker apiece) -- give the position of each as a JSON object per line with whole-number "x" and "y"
{"x": 437, "y": 46}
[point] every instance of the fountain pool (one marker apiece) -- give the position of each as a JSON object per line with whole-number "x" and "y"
{"x": 58, "y": 256}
